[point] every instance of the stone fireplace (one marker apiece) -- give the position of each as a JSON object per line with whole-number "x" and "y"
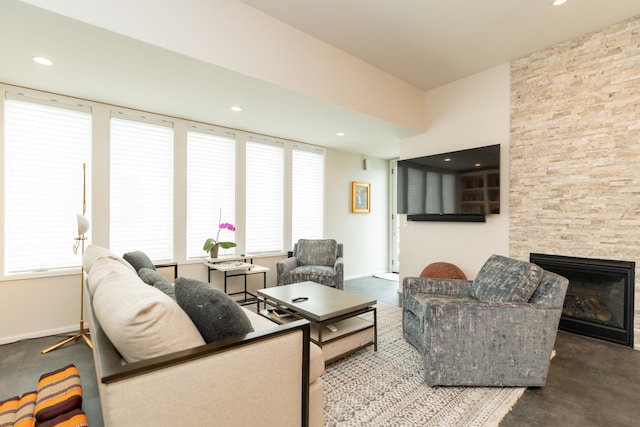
{"x": 574, "y": 150}
{"x": 599, "y": 300}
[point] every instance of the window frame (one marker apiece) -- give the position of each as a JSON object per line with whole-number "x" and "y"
{"x": 263, "y": 225}
{"x": 223, "y": 175}
{"x": 314, "y": 203}
{"x": 147, "y": 125}
{"x": 68, "y": 169}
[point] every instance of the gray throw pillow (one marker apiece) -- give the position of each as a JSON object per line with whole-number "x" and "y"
{"x": 506, "y": 279}
{"x": 151, "y": 277}
{"x": 216, "y": 315}
{"x": 167, "y": 288}
{"x": 138, "y": 260}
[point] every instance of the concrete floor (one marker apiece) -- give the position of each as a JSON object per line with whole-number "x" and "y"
{"x": 21, "y": 365}
{"x": 590, "y": 382}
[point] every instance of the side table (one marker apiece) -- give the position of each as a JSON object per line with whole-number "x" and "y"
{"x": 173, "y": 265}
{"x": 239, "y": 268}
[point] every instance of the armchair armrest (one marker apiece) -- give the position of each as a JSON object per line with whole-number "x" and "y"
{"x": 339, "y": 263}
{"x": 489, "y": 343}
{"x": 454, "y": 287}
{"x": 484, "y": 321}
{"x": 338, "y": 266}
{"x": 283, "y": 267}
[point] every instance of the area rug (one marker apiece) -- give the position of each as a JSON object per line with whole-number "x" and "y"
{"x": 387, "y": 388}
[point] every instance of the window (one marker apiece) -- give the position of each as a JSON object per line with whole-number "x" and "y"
{"x": 264, "y": 196}
{"x": 46, "y": 144}
{"x": 47, "y": 139}
{"x": 430, "y": 189}
{"x": 141, "y": 188}
{"x": 307, "y": 193}
{"x": 210, "y": 189}
{"x": 416, "y": 193}
{"x": 448, "y": 192}
{"x": 434, "y": 192}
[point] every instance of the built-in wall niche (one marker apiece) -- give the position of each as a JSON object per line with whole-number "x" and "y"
{"x": 479, "y": 192}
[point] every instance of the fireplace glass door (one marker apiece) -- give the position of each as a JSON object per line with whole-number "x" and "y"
{"x": 599, "y": 299}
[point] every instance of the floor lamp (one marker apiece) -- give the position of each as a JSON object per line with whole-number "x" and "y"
{"x": 83, "y": 228}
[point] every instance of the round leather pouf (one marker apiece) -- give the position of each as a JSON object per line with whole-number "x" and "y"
{"x": 443, "y": 270}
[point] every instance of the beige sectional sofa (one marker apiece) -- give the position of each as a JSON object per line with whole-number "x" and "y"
{"x": 153, "y": 367}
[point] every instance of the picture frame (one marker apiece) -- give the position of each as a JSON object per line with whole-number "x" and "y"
{"x": 360, "y": 197}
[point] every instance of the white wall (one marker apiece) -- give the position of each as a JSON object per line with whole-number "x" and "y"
{"x": 365, "y": 236}
{"x": 472, "y": 112}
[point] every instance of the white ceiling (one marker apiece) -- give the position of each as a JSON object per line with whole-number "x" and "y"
{"x": 424, "y": 42}
{"x": 432, "y": 42}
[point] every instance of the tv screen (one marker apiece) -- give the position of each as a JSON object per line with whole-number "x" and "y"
{"x": 456, "y": 186}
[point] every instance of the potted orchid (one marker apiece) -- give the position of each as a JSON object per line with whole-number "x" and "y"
{"x": 212, "y": 245}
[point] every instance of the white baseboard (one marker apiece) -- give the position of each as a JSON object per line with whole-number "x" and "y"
{"x": 358, "y": 276}
{"x": 39, "y": 334}
{"x": 387, "y": 276}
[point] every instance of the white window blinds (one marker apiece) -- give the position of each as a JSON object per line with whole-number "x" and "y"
{"x": 307, "y": 194}
{"x": 416, "y": 194}
{"x": 434, "y": 192}
{"x": 448, "y": 193}
{"x": 45, "y": 145}
{"x": 210, "y": 190}
{"x": 264, "y": 196}
{"x": 141, "y": 188}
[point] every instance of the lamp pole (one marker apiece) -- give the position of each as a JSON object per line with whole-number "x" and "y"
{"x": 83, "y": 227}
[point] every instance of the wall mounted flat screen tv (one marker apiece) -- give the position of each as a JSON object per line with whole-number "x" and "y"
{"x": 457, "y": 186}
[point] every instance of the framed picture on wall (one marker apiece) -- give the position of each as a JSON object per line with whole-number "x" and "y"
{"x": 360, "y": 197}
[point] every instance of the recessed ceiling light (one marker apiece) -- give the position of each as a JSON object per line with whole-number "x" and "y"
{"x": 447, "y": 159}
{"x": 558, "y": 2}
{"x": 340, "y": 133}
{"x": 236, "y": 108}
{"x": 42, "y": 60}
{"x": 477, "y": 165}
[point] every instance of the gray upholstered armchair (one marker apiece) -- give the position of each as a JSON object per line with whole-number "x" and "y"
{"x": 498, "y": 330}
{"x": 317, "y": 261}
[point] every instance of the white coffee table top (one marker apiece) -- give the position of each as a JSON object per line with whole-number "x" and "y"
{"x": 323, "y": 302}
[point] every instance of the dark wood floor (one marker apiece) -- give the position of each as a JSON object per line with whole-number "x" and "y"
{"x": 590, "y": 382}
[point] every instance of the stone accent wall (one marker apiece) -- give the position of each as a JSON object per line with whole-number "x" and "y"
{"x": 575, "y": 150}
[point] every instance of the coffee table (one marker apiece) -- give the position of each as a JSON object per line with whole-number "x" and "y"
{"x": 326, "y": 306}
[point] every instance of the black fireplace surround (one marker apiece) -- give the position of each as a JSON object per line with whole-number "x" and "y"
{"x": 599, "y": 300}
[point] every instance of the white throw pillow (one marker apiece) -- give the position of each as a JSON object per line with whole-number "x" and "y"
{"x": 93, "y": 253}
{"x": 102, "y": 267}
{"x": 141, "y": 321}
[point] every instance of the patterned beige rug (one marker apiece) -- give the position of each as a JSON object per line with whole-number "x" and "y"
{"x": 387, "y": 388}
